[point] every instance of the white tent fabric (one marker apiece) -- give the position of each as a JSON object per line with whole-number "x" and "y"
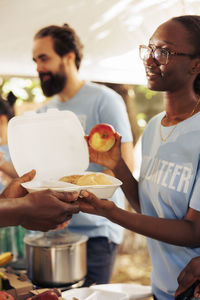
{"x": 111, "y": 31}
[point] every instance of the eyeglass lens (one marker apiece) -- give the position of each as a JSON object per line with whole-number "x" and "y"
{"x": 158, "y": 54}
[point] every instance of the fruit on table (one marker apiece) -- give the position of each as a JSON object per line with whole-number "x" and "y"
{"x": 48, "y": 295}
{"x": 5, "y": 296}
{"x": 5, "y": 258}
{"x": 102, "y": 137}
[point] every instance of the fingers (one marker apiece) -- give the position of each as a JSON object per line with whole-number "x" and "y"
{"x": 89, "y": 196}
{"x": 185, "y": 280}
{"x": 89, "y": 203}
{"x": 184, "y": 285}
{"x": 197, "y": 291}
{"x": 67, "y": 201}
{"x": 181, "y": 276}
{"x": 27, "y": 177}
{"x": 71, "y": 208}
{"x": 118, "y": 138}
{"x": 66, "y": 196}
{"x": 63, "y": 225}
{"x": 71, "y": 196}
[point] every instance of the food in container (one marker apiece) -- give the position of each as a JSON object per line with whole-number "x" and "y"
{"x": 88, "y": 179}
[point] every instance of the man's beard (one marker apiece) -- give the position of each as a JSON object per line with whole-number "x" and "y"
{"x": 54, "y": 85}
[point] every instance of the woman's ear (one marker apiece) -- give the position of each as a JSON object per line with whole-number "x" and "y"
{"x": 195, "y": 69}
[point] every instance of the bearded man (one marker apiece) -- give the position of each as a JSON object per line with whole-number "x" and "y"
{"x": 57, "y": 52}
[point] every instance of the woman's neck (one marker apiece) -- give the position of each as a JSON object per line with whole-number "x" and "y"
{"x": 180, "y": 107}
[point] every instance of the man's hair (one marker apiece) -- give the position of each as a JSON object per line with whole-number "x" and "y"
{"x": 192, "y": 25}
{"x": 65, "y": 40}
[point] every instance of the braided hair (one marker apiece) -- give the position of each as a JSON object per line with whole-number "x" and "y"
{"x": 192, "y": 25}
{"x": 65, "y": 40}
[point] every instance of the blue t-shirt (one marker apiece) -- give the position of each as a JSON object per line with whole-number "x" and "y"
{"x": 169, "y": 184}
{"x": 4, "y": 149}
{"x": 94, "y": 104}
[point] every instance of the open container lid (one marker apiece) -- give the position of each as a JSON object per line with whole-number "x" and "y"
{"x": 52, "y": 143}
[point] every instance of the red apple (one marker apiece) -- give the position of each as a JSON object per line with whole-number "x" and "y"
{"x": 5, "y": 296}
{"x": 48, "y": 295}
{"x": 102, "y": 137}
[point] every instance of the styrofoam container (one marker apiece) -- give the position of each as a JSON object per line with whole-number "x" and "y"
{"x": 80, "y": 293}
{"x": 132, "y": 290}
{"x": 53, "y": 144}
{"x": 89, "y": 294}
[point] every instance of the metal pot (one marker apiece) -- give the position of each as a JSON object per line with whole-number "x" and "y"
{"x": 56, "y": 259}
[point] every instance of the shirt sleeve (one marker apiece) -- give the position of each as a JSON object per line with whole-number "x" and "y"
{"x": 194, "y": 200}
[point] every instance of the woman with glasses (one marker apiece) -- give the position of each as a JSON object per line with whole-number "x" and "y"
{"x": 167, "y": 197}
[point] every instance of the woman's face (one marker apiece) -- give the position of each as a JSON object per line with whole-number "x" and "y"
{"x": 176, "y": 74}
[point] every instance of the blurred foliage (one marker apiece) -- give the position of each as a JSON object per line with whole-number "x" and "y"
{"x": 141, "y": 102}
{"x": 148, "y": 103}
{"x": 25, "y": 89}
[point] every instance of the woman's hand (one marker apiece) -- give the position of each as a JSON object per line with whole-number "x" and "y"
{"x": 15, "y": 189}
{"x": 107, "y": 159}
{"x": 90, "y": 204}
{"x": 188, "y": 276}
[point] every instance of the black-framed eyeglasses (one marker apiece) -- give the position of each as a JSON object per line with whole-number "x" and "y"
{"x": 161, "y": 55}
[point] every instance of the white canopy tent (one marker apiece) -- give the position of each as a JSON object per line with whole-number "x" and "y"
{"x": 111, "y": 31}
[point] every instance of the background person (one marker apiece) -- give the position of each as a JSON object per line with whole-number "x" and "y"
{"x": 57, "y": 52}
{"x": 11, "y": 238}
{"x": 166, "y": 198}
{"x": 7, "y": 171}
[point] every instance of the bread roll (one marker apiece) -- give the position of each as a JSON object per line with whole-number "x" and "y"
{"x": 94, "y": 179}
{"x": 88, "y": 179}
{"x": 71, "y": 178}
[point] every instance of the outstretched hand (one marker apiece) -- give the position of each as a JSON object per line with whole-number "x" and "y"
{"x": 107, "y": 159}
{"x": 45, "y": 210}
{"x": 15, "y": 189}
{"x": 90, "y": 204}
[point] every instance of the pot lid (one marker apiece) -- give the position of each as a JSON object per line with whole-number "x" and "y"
{"x": 52, "y": 143}
{"x": 54, "y": 239}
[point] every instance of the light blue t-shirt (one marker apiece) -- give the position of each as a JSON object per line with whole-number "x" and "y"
{"x": 4, "y": 149}
{"x": 94, "y": 104}
{"x": 169, "y": 184}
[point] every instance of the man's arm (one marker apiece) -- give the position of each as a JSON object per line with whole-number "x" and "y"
{"x": 8, "y": 168}
{"x": 42, "y": 210}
